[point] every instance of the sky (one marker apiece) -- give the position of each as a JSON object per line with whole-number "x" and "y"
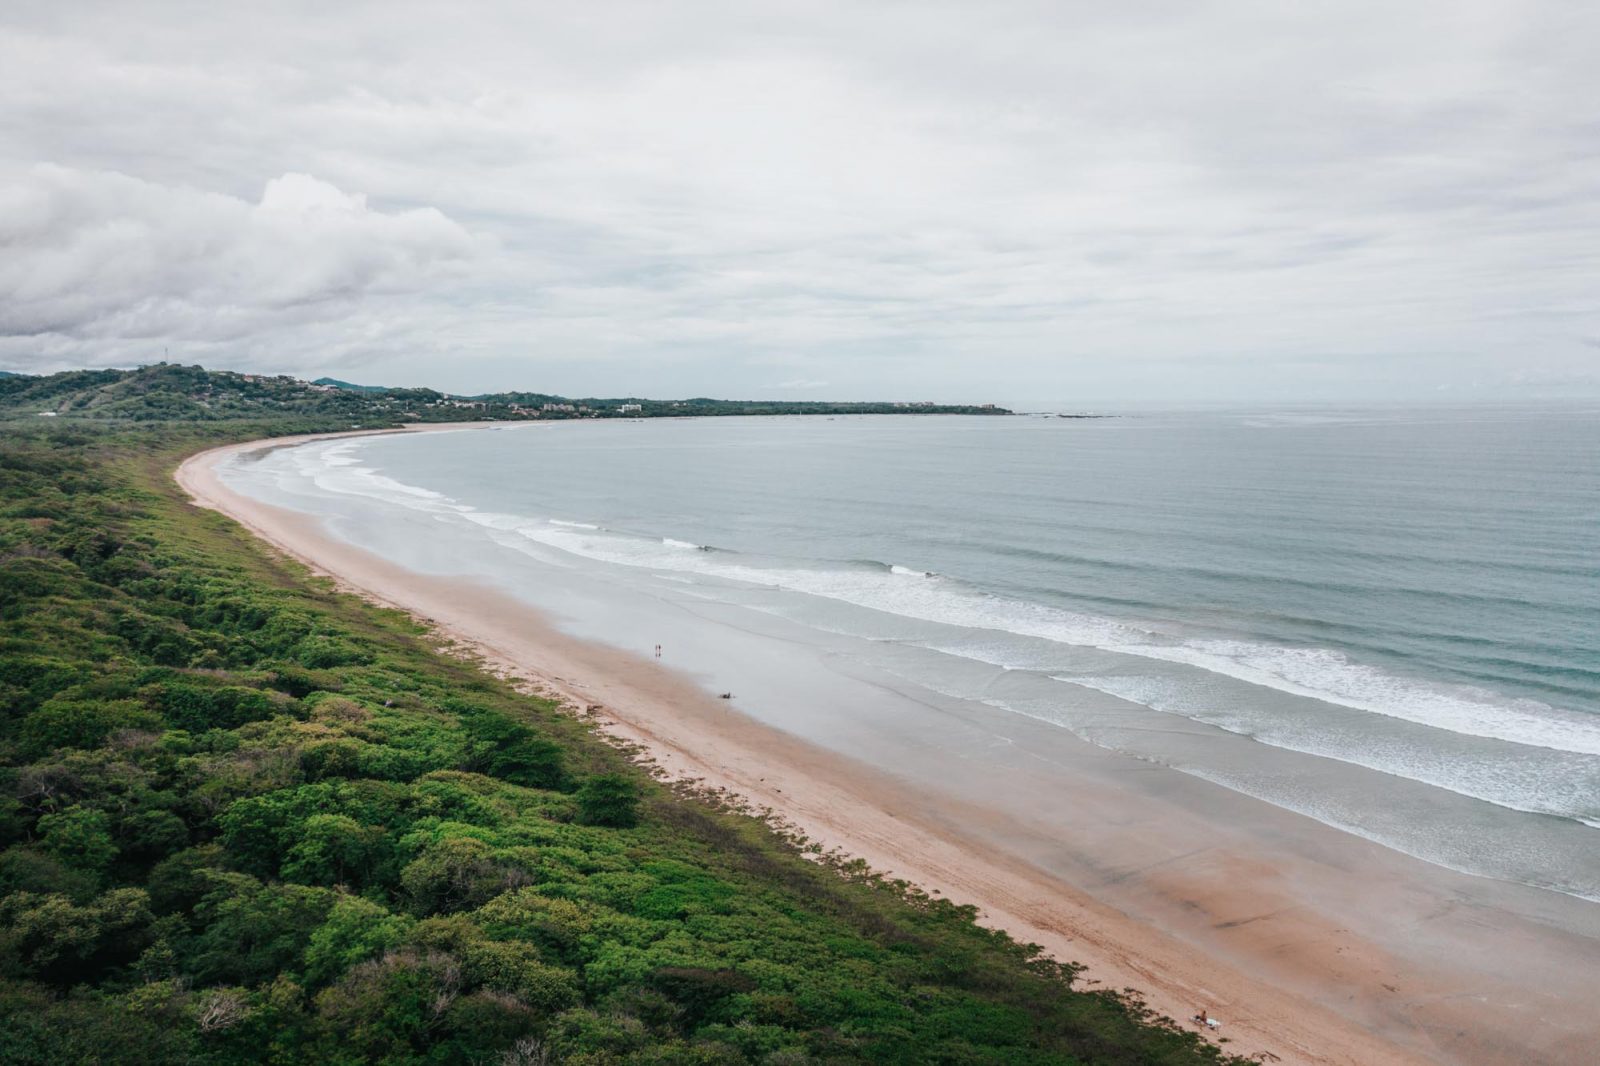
{"x": 1083, "y": 202}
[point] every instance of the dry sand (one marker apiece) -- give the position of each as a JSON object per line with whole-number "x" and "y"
{"x": 1229, "y": 931}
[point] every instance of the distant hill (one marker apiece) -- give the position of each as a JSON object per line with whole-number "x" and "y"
{"x": 169, "y": 392}
{"x": 336, "y": 383}
{"x": 9, "y": 374}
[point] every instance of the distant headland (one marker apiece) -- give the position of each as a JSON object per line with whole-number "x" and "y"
{"x": 168, "y": 391}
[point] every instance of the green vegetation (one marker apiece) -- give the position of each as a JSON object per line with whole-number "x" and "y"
{"x": 167, "y": 392}
{"x": 247, "y": 819}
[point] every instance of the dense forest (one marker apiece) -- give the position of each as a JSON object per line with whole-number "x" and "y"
{"x": 167, "y": 392}
{"x": 245, "y": 818}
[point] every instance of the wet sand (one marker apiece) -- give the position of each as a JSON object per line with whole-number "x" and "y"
{"x": 1311, "y": 945}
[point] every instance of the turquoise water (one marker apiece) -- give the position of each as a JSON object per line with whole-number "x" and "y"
{"x": 1414, "y": 594}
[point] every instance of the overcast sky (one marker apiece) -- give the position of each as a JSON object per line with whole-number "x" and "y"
{"x": 1091, "y": 202}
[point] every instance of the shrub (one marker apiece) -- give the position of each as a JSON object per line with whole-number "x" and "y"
{"x": 384, "y": 1008}
{"x": 63, "y": 723}
{"x": 335, "y": 849}
{"x": 456, "y": 873}
{"x": 32, "y": 870}
{"x": 197, "y": 708}
{"x": 147, "y": 836}
{"x": 79, "y": 837}
{"x": 54, "y": 938}
{"x": 609, "y": 800}
{"x": 252, "y": 932}
{"x": 322, "y": 652}
{"x": 517, "y": 969}
{"x": 356, "y": 930}
{"x": 511, "y": 751}
{"x": 179, "y": 882}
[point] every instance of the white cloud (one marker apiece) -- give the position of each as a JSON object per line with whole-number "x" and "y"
{"x": 1022, "y": 199}
{"x": 102, "y": 258}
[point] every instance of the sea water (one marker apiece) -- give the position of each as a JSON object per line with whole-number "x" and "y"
{"x": 1386, "y": 620}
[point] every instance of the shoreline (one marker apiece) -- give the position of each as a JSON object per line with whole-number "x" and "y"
{"x": 846, "y": 805}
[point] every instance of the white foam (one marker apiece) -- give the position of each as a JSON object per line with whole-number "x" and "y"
{"x": 1535, "y": 780}
{"x": 1506, "y": 863}
{"x": 932, "y": 600}
{"x": 1332, "y": 677}
{"x": 334, "y": 469}
{"x": 496, "y": 520}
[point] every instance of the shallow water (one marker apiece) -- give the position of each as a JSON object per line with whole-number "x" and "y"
{"x": 1389, "y": 621}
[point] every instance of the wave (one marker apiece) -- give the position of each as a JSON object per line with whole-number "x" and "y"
{"x": 1332, "y": 677}
{"x": 1534, "y": 780}
{"x": 1511, "y": 860}
{"x": 877, "y": 587}
{"x": 332, "y": 468}
{"x": 1239, "y": 575}
{"x": 1316, "y": 673}
{"x": 1516, "y": 784}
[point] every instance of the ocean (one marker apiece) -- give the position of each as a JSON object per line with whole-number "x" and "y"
{"x": 1388, "y": 621}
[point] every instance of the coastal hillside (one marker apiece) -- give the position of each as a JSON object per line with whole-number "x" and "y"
{"x": 245, "y": 818}
{"x": 167, "y": 392}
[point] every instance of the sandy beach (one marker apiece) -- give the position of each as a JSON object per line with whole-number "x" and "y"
{"x": 1311, "y": 946}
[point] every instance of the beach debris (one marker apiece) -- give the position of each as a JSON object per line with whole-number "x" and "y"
{"x": 726, "y": 696}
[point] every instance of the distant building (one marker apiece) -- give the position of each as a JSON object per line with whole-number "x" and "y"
{"x": 631, "y": 408}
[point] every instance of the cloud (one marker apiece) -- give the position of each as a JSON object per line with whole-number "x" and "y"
{"x": 801, "y": 383}
{"x": 1032, "y": 199}
{"x": 101, "y": 258}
